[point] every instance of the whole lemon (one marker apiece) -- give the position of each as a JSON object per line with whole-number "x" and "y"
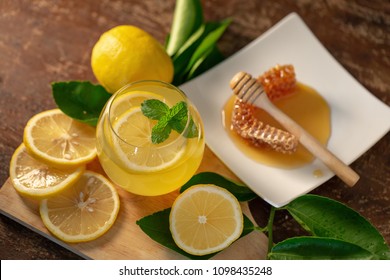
{"x": 126, "y": 54}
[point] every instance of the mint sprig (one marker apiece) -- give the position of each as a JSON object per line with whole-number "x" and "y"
{"x": 169, "y": 119}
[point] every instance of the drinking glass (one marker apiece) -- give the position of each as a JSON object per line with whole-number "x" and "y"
{"x": 124, "y": 143}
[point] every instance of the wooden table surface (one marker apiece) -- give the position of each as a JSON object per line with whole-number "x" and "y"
{"x": 45, "y": 41}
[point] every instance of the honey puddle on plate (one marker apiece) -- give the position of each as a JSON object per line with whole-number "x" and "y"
{"x": 306, "y": 106}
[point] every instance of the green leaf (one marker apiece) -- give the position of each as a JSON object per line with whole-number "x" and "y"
{"x": 161, "y": 131}
{"x": 192, "y": 129}
{"x": 318, "y": 248}
{"x": 168, "y": 118}
{"x": 209, "y": 60}
{"x": 199, "y": 49}
{"x": 187, "y": 18}
{"x": 324, "y": 217}
{"x": 178, "y": 124}
{"x": 80, "y": 100}
{"x": 178, "y": 112}
{"x": 183, "y": 56}
{"x": 178, "y": 116}
{"x": 154, "y": 109}
{"x": 156, "y": 226}
{"x": 208, "y": 43}
{"x": 166, "y": 42}
{"x": 240, "y": 191}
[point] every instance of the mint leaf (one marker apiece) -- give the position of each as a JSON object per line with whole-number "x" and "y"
{"x": 178, "y": 112}
{"x": 178, "y": 116}
{"x": 192, "y": 130}
{"x": 168, "y": 118}
{"x": 161, "y": 131}
{"x": 154, "y": 109}
{"x": 80, "y": 100}
{"x": 179, "y": 120}
{"x": 178, "y": 124}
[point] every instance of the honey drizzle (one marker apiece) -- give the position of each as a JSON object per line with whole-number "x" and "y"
{"x": 306, "y": 107}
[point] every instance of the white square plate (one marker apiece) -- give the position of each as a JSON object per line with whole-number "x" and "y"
{"x": 358, "y": 119}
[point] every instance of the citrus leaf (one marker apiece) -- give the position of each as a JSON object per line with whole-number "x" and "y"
{"x": 183, "y": 56}
{"x": 240, "y": 191}
{"x": 208, "y": 42}
{"x": 211, "y": 58}
{"x": 318, "y": 248}
{"x": 324, "y": 217}
{"x": 187, "y": 18}
{"x": 80, "y": 100}
{"x": 166, "y": 41}
{"x": 156, "y": 226}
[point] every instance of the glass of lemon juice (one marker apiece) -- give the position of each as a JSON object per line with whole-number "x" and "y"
{"x": 150, "y": 138}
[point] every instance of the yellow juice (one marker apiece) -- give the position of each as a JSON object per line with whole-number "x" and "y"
{"x": 125, "y": 150}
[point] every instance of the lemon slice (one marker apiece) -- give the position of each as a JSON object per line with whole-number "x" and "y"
{"x": 123, "y": 102}
{"x": 83, "y": 212}
{"x": 205, "y": 219}
{"x": 142, "y": 155}
{"x": 36, "y": 179}
{"x": 59, "y": 140}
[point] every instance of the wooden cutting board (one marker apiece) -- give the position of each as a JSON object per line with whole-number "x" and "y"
{"x": 125, "y": 240}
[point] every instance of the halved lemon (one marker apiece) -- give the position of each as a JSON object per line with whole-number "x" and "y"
{"x": 123, "y": 102}
{"x": 59, "y": 140}
{"x": 83, "y": 212}
{"x": 205, "y": 219}
{"x": 36, "y": 179}
{"x": 135, "y": 147}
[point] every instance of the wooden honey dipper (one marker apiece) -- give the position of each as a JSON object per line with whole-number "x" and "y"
{"x": 251, "y": 91}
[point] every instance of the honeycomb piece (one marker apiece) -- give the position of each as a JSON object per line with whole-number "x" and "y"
{"x": 259, "y": 134}
{"x": 277, "y": 83}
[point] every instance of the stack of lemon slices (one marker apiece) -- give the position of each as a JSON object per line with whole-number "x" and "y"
{"x": 75, "y": 205}
{"x": 78, "y": 205}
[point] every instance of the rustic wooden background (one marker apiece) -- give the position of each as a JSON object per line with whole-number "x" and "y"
{"x": 44, "y": 41}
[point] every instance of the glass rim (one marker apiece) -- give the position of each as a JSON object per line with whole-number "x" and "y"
{"x": 124, "y": 89}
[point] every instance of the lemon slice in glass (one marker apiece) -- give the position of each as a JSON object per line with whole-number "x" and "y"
{"x": 59, "y": 140}
{"x": 35, "y": 179}
{"x": 82, "y": 212}
{"x": 135, "y": 148}
{"x": 131, "y": 99}
{"x": 205, "y": 219}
